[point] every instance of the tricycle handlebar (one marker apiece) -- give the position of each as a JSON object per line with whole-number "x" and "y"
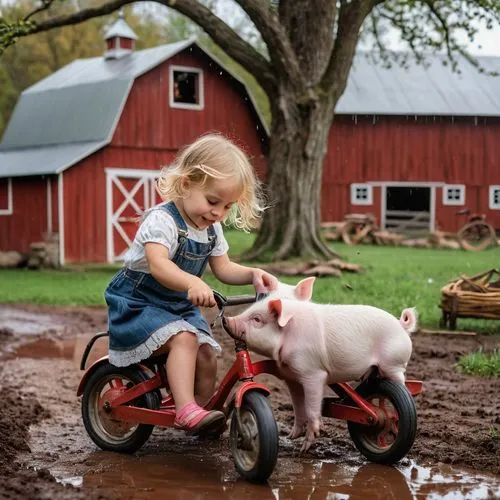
{"x": 233, "y": 300}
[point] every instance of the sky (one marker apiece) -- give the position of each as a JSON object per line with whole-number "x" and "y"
{"x": 487, "y": 42}
{"x": 490, "y": 42}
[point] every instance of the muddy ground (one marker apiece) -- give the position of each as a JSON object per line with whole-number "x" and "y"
{"x": 459, "y": 415}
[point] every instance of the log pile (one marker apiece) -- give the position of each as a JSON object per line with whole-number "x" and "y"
{"x": 333, "y": 267}
{"x": 334, "y": 231}
{"x": 42, "y": 254}
{"x": 10, "y": 259}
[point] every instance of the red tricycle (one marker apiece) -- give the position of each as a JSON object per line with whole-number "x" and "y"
{"x": 121, "y": 406}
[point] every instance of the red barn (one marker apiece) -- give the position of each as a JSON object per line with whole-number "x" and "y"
{"x": 416, "y": 141}
{"x": 84, "y": 145}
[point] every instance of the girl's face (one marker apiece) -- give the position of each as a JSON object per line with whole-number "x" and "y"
{"x": 205, "y": 205}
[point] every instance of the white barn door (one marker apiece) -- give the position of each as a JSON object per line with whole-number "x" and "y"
{"x": 128, "y": 194}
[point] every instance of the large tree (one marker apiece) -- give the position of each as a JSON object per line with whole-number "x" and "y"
{"x": 310, "y": 45}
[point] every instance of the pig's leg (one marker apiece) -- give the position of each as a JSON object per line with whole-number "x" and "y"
{"x": 299, "y": 410}
{"x": 314, "y": 384}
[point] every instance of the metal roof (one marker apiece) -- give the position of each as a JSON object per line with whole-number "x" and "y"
{"x": 81, "y": 113}
{"x": 45, "y": 160}
{"x": 419, "y": 90}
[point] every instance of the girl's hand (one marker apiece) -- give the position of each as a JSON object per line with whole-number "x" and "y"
{"x": 263, "y": 281}
{"x": 200, "y": 294}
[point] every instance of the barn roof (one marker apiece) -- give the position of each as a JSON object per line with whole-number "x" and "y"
{"x": 74, "y": 112}
{"x": 418, "y": 90}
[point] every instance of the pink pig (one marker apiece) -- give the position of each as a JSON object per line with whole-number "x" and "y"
{"x": 318, "y": 344}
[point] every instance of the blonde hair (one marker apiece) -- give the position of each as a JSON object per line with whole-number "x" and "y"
{"x": 213, "y": 156}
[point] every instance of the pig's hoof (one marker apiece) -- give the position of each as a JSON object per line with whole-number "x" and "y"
{"x": 305, "y": 446}
{"x": 297, "y": 432}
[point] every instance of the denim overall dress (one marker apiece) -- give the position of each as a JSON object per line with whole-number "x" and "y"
{"x": 143, "y": 314}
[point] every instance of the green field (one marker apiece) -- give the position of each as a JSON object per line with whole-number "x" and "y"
{"x": 393, "y": 278}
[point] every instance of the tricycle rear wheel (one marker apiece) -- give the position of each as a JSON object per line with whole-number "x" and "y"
{"x": 392, "y": 439}
{"x": 108, "y": 433}
{"x": 253, "y": 438}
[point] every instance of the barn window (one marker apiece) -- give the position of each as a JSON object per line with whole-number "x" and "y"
{"x": 6, "y": 205}
{"x": 454, "y": 194}
{"x": 494, "y": 203}
{"x": 186, "y": 88}
{"x": 361, "y": 194}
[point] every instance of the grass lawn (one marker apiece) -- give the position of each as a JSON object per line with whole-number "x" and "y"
{"x": 394, "y": 278}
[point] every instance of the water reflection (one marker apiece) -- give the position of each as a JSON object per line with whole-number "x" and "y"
{"x": 205, "y": 478}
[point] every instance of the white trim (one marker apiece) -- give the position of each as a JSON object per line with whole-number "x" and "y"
{"x": 110, "y": 246}
{"x": 491, "y": 201}
{"x": 182, "y": 105}
{"x": 131, "y": 173}
{"x": 406, "y": 184}
{"x": 369, "y": 194}
{"x": 60, "y": 210}
{"x": 383, "y": 198}
{"x": 10, "y": 202}
{"x": 455, "y": 187}
{"x": 49, "y": 205}
{"x": 433, "y": 208}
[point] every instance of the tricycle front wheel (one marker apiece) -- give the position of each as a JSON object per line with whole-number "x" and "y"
{"x": 254, "y": 438}
{"x": 390, "y": 440}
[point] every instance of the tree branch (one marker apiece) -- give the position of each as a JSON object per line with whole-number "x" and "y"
{"x": 431, "y": 26}
{"x": 351, "y": 17}
{"x": 218, "y": 30}
{"x": 274, "y": 35}
{"x": 45, "y": 5}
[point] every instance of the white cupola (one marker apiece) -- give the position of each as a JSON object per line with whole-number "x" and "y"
{"x": 120, "y": 39}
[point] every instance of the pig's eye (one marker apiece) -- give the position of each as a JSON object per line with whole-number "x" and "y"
{"x": 257, "y": 319}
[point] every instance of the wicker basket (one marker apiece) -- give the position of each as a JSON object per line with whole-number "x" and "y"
{"x": 471, "y": 297}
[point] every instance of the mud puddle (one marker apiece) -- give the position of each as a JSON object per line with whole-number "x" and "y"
{"x": 28, "y": 323}
{"x": 171, "y": 465}
{"x": 205, "y": 477}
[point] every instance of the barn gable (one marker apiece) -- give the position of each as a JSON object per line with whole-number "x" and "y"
{"x": 74, "y": 112}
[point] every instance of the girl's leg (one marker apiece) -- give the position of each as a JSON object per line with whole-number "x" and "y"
{"x": 181, "y": 362}
{"x": 182, "y": 351}
{"x": 206, "y": 372}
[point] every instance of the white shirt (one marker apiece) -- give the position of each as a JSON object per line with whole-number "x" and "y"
{"x": 159, "y": 227}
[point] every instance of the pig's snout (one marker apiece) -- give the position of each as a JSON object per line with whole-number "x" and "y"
{"x": 234, "y": 327}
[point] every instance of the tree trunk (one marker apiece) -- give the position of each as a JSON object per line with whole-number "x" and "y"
{"x": 299, "y": 135}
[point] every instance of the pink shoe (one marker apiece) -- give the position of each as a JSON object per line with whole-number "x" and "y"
{"x": 194, "y": 419}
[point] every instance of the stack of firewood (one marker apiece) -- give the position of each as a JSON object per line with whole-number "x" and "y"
{"x": 42, "y": 254}
{"x": 10, "y": 259}
{"x": 332, "y": 231}
{"x": 333, "y": 267}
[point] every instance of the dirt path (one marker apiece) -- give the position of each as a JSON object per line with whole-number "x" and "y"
{"x": 459, "y": 415}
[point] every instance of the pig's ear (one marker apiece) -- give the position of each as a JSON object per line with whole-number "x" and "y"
{"x": 304, "y": 289}
{"x": 281, "y": 311}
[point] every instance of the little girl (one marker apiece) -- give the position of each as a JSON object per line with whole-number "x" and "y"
{"x": 153, "y": 299}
